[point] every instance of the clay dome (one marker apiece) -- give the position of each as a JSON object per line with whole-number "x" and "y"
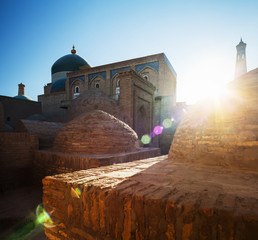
{"x": 222, "y": 132}
{"x": 96, "y": 132}
{"x": 93, "y": 99}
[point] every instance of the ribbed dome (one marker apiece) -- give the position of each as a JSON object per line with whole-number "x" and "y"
{"x": 96, "y": 132}
{"x": 222, "y": 132}
{"x": 69, "y": 62}
{"x": 58, "y": 85}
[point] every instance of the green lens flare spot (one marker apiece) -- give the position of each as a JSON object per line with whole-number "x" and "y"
{"x": 146, "y": 139}
{"x": 167, "y": 123}
{"x": 43, "y": 217}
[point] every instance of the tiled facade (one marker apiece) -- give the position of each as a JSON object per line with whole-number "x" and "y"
{"x": 138, "y": 86}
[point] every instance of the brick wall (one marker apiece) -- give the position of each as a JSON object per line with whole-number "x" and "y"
{"x": 47, "y": 163}
{"x": 2, "y": 119}
{"x": 92, "y": 100}
{"x": 51, "y": 106}
{"x": 16, "y": 109}
{"x": 152, "y": 199}
{"x": 16, "y": 158}
{"x": 221, "y": 132}
{"x": 46, "y": 131}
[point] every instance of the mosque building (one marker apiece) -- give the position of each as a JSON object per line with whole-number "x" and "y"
{"x": 141, "y": 92}
{"x": 87, "y": 127}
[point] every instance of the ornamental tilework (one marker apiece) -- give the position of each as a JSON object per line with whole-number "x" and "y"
{"x": 71, "y": 80}
{"x": 114, "y": 71}
{"x": 154, "y": 65}
{"x": 93, "y": 75}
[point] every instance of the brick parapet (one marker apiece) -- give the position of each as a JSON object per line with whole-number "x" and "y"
{"x": 47, "y": 163}
{"x": 153, "y": 199}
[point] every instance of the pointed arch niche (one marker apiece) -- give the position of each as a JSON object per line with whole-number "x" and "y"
{"x": 98, "y": 82}
{"x": 76, "y": 88}
{"x": 150, "y": 74}
{"x": 116, "y": 87}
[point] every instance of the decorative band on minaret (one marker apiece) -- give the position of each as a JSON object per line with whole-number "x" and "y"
{"x": 240, "y": 59}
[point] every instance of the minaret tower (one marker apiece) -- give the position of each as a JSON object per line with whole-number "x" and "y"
{"x": 240, "y": 59}
{"x": 21, "y": 89}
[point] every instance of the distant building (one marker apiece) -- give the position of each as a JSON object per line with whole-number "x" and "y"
{"x": 240, "y": 59}
{"x": 12, "y": 109}
{"x": 142, "y": 91}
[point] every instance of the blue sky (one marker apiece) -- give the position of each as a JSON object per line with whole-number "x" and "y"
{"x": 198, "y": 37}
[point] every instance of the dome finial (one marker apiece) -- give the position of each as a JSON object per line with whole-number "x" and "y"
{"x": 73, "y": 51}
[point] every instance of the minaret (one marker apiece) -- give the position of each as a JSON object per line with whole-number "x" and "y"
{"x": 21, "y": 89}
{"x": 240, "y": 59}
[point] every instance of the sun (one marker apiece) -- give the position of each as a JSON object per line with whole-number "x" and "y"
{"x": 207, "y": 78}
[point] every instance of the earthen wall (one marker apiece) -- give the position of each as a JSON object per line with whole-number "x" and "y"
{"x": 16, "y": 109}
{"x": 47, "y": 163}
{"x": 2, "y": 120}
{"x": 51, "y": 106}
{"x": 16, "y": 159}
{"x": 46, "y": 131}
{"x": 152, "y": 199}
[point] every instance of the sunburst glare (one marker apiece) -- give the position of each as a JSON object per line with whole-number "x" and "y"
{"x": 207, "y": 78}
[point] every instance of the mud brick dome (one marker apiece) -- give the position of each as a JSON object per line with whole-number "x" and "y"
{"x": 96, "y": 132}
{"x": 223, "y": 132}
{"x": 90, "y": 100}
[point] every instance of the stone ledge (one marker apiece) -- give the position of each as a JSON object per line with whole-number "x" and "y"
{"x": 153, "y": 199}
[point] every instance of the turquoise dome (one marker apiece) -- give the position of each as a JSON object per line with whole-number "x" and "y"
{"x": 23, "y": 97}
{"x": 58, "y": 85}
{"x": 69, "y": 62}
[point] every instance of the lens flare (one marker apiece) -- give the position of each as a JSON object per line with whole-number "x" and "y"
{"x": 167, "y": 123}
{"x": 146, "y": 139}
{"x": 158, "y": 130}
{"x": 152, "y": 134}
{"x": 76, "y": 193}
{"x": 78, "y": 190}
{"x": 43, "y": 217}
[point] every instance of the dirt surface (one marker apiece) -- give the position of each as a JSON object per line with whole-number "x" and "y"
{"x": 18, "y": 214}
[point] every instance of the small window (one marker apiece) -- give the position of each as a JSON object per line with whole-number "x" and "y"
{"x": 117, "y": 90}
{"x": 96, "y": 85}
{"x": 146, "y": 77}
{"x": 118, "y": 83}
{"x": 76, "y": 89}
{"x": 76, "y": 92}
